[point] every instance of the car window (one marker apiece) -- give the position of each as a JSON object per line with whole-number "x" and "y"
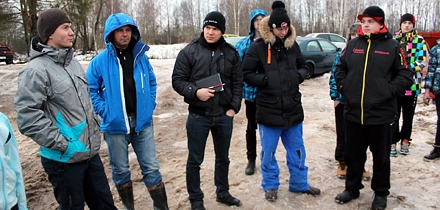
{"x": 4, "y": 49}
{"x": 313, "y": 46}
{"x": 327, "y": 46}
{"x": 334, "y": 38}
{"x": 324, "y": 36}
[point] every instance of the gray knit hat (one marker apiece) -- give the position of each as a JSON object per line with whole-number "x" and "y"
{"x": 48, "y": 22}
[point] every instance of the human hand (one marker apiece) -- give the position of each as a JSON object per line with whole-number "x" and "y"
{"x": 426, "y": 97}
{"x": 336, "y": 103}
{"x": 204, "y": 94}
{"x": 230, "y": 113}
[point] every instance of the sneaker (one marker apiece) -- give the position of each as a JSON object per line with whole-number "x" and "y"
{"x": 346, "y": 196}
{"x": 404, "y": 147}
{"x": 228, "y": 199}
{"x": 366, "y": 176}
{"x": 312, "y": 191}
{"x": 342, "y": 170}
{"x": 379, "y": 202}
{"x": 250, "y": 168}
{"x": 435, "y": 153}
{"x": 393, "y": 151}
{"x": 271, "y": 195}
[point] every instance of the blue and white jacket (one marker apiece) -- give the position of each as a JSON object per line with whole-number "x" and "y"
{"x": 105, "y": 76}
{"x": 432, "y": 79}
{"x": 335, "y": 95}
{"x": 242, "y": 46}
{"x": 11, "y": 176}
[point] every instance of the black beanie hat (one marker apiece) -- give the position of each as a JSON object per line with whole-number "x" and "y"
{"x": 409, "y": 17}
{"x": 374, "y": 12}
{"x": 278, "y": 17}
{"x": 48, "y": 22}
{"x": 216, "y": 19}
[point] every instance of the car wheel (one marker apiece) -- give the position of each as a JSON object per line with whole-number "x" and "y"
{"x": 311, "y": 70}
{"x": 9, "y": 62}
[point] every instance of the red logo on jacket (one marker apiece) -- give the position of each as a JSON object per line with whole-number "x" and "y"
{"x": 381, "y": 52}
{"x": 358, "y": 51}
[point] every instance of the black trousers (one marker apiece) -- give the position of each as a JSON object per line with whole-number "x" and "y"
{"x": 251, "y": 135}
{"x": 340, "y": 132}
{"x": 407, "y": 106}
{"x": 358, "y": 139}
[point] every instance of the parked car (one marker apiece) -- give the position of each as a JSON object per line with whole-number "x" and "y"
{"x": 336, "y": 39}
{"x": 6, "y": 54}
{"x": 319, "y": 54}
{"x": 234, "y": 39}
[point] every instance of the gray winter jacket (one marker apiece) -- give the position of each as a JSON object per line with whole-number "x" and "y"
{"x": 54, "y": 107}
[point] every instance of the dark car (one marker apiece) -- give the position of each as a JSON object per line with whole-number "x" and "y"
{"x": 6, "y": 54}
{"x": 319, "y": 54}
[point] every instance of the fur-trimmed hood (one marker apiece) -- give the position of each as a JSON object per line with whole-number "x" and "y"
{"x": 269, "y": 37}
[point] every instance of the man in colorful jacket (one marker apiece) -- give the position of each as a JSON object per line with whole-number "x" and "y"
{"x": 54, "y": 109}
{"x": 249, "y": 92}
{"x": 123, "y": 90}
{"x": 12, "y": 194}
{"x": 371, "y": 73}
{"x": 415, "y": 47}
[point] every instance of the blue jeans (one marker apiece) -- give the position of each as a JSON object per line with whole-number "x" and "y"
{"x": 76, "y": 183}
{"x": 197, "y": 129}
{"x": 292, "y": 139}
{"x": 145, "y": 148}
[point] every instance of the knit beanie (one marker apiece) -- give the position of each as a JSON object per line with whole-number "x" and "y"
{"x": 48, "y": 22}
{"x": 279, "y": 18}
{"x": 408, "y": 17}
{"x": 216, "y": 19}
{"x": 374, "y": 12}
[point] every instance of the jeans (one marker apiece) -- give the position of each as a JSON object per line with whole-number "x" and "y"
{"x": 251, "y": 130}
{"x": 197, "y": 129}
{"x": 76, "y": 183}
{"x": 292, "y": 139}
{"x": 145, "y": 148}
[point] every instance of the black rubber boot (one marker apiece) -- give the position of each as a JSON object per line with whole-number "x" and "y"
{"x": 159, "y": 196}
{"x": 126, "y": 194}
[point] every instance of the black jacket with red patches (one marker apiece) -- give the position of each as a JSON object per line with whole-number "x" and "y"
{"x": 372, "y": 71}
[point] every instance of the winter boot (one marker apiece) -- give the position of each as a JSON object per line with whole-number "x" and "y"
{"x": 126, "y": 194}
{"x": 250, "y": 168}
{"x": 159, "y": 196}
{"x": 435, "y": 153}
{"x": 342, "y": 170}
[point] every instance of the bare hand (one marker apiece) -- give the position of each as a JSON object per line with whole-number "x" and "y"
{"x": 230, "y": 113}
{"x": 426, "y": 97}
{"x": 336, "y": 103}
{"x": 204, "y": 94}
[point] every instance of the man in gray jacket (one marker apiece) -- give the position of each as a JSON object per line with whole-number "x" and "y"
{"x": 54, "y": 109}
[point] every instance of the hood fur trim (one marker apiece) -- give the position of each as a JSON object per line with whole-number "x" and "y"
{"x": 269, "y": 37}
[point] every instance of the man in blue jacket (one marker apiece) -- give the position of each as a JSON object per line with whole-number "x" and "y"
{"x": 250, "y": 92}
{"x": 123, "y": 90}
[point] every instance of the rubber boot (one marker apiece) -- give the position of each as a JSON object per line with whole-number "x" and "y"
{"x": 126, "y": 194}
{"x": 159, "y": 196}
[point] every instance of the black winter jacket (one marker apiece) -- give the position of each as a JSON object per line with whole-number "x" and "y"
{"x": 197, "y": 61}
{"x": 372, "y": 71}
{"x": 278, "y": 98}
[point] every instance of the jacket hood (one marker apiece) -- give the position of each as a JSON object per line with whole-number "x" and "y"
{"x": 254, "y": 14}
{"x": 269, "y": 37}
{"x": 115, "y": 21}
{"x": 62, "y": 56}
